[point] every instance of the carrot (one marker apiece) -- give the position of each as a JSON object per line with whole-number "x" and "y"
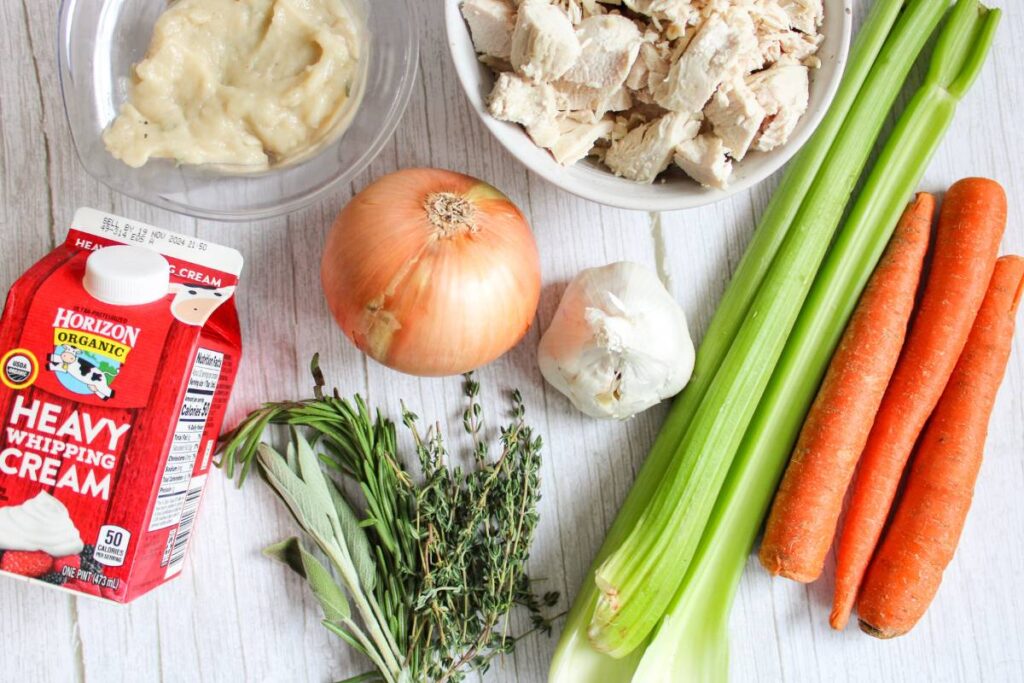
{"x": 920, "y": 543}
{"x": 807, "y": 505}
{"x": 971, "y": 225}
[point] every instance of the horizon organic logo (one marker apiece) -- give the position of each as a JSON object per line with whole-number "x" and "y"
{"x": 69, "y": 322}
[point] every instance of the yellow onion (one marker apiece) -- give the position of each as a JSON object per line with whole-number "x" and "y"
{"x": 432, "y": 272}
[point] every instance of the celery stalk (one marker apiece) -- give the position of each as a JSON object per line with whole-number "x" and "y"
{"x": 574, "y": 659}
{"x": 638, "y": 580}
{"x": 691, "y": 643}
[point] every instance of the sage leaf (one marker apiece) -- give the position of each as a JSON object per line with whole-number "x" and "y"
{"x": 287, "y": 552}
{"x": 330, "y": 595}
{"x": 316, "y": 480}
{"x": 345, "y": 635}
{"x": 290, "y": 458}
{"x": 310, "y": 514}
{"x": 344, "y": 521}
{"x": 356, "y": 539}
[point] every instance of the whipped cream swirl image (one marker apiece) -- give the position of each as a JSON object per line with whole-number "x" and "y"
{"x": 42, "y": 523}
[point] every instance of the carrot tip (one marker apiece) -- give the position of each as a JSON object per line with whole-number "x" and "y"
{"x": 838, "y": 619}
{"x": 798, "y": 576}
{"x": 878, "y": 633}
{"x": 778, "y": 565}
{"x": 1017, "y": 263}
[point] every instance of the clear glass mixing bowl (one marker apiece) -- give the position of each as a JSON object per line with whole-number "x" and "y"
{"x": 99, "y": 42}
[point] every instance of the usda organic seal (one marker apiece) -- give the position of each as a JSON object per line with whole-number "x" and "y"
{"x": 20, "y": 369}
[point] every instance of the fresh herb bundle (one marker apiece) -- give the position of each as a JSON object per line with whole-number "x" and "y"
{"x": 423, "y": 576}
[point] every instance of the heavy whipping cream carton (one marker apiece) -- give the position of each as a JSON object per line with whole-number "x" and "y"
{"x": 117, "y": 355}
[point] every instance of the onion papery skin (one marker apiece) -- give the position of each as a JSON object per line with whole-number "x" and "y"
{"x": 426, "y": 296}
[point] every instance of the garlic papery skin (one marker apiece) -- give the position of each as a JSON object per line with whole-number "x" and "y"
{"x": 618, "y": 343}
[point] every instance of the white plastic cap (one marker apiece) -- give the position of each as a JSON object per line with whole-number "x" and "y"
{"x": 127, "y": 276}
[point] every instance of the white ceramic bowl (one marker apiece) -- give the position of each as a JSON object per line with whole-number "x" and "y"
{"x": 591, "y": 181}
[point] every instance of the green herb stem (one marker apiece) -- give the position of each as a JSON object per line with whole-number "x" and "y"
{"x": 383, "y": 643}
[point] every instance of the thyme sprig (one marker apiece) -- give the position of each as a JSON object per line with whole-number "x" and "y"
{"x": 432, "y": 569}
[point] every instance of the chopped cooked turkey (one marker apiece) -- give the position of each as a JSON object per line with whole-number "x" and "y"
{"x": 490, "y": 24}
{"x": 651, "y": 67}
{"x": 609, "y": 45}
{"x": 768, "y": 17}
{"x": 704, "y": 158}
{"x": 678, "y": 12}
{"x": 804, "y": 15}
{"x": 577, "y": 136}
{"x": 791, "y": 46}
{"x": 777, "y": 39}
{"x": 496, "y": 64}
{"x": 518, "y": 100}
{"x": 647, "y": 150}
{"x": 635, "y": 84}
{"x": 735, "y": 115}
{"x": 572, "y": 97}
{"x": 725, "y": 47}
{"x": 578, "y": 10}
{"x": 571, "y": 136}
{"x": 596, "y": 82}
{"x": 545, "y": 133}
{"x": 645, "y": 112}
{"x": 783, "y": 92}
{"x": 639, "y": 74}
{"x": 544, "y": 44}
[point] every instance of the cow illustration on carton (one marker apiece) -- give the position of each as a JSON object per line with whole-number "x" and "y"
{"x": 80, "y": 374}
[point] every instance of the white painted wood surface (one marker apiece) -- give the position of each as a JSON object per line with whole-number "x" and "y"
{"x": 234, "y": 616}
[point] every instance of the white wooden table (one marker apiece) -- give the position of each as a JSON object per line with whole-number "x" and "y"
{"x": 235, "y": 616}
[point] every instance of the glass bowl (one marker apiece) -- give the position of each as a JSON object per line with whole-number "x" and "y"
{"x": 100, "y": 41}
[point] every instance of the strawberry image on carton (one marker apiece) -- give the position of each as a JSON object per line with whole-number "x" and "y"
{"x": 117, "y": 355}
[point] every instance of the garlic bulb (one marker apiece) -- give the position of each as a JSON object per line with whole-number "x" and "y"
{"x": 618, "y": 343}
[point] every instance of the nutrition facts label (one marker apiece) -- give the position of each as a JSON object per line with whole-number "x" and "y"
{"x": 187, "y": 440}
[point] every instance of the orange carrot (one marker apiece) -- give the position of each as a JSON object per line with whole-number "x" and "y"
{"x": 807, "y": 505}
{"x": 971, "y": 225}
{"x": 907, "y": 570}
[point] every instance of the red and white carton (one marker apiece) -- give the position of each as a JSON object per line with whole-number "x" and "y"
{"x": 118, "y": 351}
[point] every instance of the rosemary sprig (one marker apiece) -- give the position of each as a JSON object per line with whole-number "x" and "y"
{"x": 432, "y": 570}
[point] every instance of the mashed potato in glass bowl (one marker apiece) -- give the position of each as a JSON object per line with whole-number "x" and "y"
{"x": 234, "y": 110}
{"x": 243, "y": 84}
